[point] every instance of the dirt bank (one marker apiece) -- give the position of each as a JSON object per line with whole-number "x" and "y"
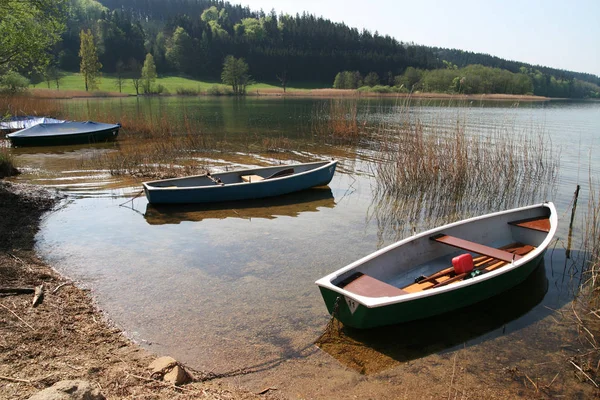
{"x": 66, "y": 337}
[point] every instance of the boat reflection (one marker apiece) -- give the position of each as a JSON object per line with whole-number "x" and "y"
{"x": 291, "y": 205}
{"x": 374, "y": 350}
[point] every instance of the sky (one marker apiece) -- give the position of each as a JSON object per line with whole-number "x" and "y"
{"x": 560, "y": 34}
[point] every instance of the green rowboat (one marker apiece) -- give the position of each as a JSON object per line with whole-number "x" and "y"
{"x": 442, "y": 269}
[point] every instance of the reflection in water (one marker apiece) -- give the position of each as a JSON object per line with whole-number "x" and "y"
{"x": 374, "y": 350}
{"x": 291, "y": 205}
{"x": 416, "y": 209}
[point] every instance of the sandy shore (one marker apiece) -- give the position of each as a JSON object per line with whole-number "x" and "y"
{"x": 66, "y": 336}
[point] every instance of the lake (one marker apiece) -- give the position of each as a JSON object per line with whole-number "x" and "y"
{"x": 230, "y": 290}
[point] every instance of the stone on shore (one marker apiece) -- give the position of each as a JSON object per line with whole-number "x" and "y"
{"x": 168, "y": 370}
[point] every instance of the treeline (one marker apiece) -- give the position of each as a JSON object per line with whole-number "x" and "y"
{"x": 472, "y": 79}
{"x": 303, "y": 47}
{"x": 193, "y": 37}
{"x": 463, "y": 58}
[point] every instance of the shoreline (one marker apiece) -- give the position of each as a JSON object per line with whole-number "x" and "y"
{"x": 67, "y": 337}
{"x": 296, "y": 93}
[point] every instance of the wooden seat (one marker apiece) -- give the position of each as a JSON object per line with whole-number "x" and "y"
{"x": 251, "y": 178}
{"x": 366, "y": 285}
{"x": 541, "y": 224}
{"x": 473, "y": 247}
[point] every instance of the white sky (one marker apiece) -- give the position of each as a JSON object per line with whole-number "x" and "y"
{"x": 559, "y": 34}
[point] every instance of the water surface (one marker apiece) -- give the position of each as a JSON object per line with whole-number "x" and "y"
{"x": 232, "y": 286}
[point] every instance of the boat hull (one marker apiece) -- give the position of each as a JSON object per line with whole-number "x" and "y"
{"x": 240, "y": 191}
{"x": 105, "y": 133}
{"x": 385, "y": 287}
{"x": 364, "y": 317}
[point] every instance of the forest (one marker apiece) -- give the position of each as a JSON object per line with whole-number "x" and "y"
{"x": 192, "y": 38}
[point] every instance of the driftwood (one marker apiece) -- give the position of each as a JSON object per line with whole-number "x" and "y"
{"x": 38, "y": 296}
{"x": 16, "y": 290}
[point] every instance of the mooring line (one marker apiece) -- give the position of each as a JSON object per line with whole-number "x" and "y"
{"x": 133, "y": 198}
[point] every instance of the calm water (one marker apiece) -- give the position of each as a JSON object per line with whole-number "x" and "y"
{"x": 232, "y": 287}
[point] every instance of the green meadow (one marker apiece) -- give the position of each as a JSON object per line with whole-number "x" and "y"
{"x": 170, "y": 85}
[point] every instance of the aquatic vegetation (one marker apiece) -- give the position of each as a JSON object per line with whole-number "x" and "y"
{"x": 25, "y": 105}
{"x": 431, "y": 173}
{"x": 337, "y": 121}
{"x": 586, "y": 305}
{"x": 7, "y": 165}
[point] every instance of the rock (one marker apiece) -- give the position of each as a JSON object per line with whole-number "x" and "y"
{"x": 161, "y": 364}
{"x": 69, "y": 390}
{"x": 169, "y": 370}
{"x": 177, "y": 376}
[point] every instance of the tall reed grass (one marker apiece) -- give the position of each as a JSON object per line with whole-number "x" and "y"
{"x": 439, "y": 171}
{"x": 153, "y": 147}
{"x": 25, "y": 105}
{"x": 7, "y": 164}
{"x": 586, "y": 305}
{"x": 337, "y": 121}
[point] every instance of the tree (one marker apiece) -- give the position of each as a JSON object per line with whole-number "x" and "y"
{"x": 120, "y": 77}
{"x": 53, "y": 74}
{"x": 28, "y": 30}
{"x": 283, "y": 79}
{"x": 135, "y": 73}
{"x": 235, "y": 73}
{"x": 179, "y": 50}
{"x": 372, "y": 79}
{"x": 148, "y": 73}
{"x": 13, "y": 82}
{"x": 89, "y": 66}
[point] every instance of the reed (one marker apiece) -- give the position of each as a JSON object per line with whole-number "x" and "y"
{"x": 27, "y": 105}
{"x": 433, "y": 173}
{"x": 7, "y": 164}
{"x": 586, "y": 305}
{"x": 337, "y": 121}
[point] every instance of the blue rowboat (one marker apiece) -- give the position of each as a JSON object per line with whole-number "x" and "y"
{"x": 240, "y": 184}
{"x": 64, "y": 133}
{"x": 425, "y": 274}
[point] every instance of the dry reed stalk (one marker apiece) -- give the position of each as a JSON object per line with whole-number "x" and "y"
{"x": 438, "y": 173}
{"x": 337, "y": 121}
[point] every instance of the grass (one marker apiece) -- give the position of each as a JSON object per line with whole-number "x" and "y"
{"x": 171, "y": 85}
{"x": 586, "y": 305}
{"x": 7, "y": 166}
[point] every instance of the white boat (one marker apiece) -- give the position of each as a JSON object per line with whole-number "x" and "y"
{"x": 442, "y": 269}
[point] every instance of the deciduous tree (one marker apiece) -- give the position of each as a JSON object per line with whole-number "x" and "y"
{"x": 28, "y": 29}
{"x": 235, "y": 73}
{"x": 148, "y": 73}
{"x": 89, "y": 66}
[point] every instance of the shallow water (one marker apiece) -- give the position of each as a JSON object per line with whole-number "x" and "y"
{"x": 223, "y": 288}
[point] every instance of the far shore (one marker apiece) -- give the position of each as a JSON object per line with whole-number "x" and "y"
{"x": 308, "y": 93}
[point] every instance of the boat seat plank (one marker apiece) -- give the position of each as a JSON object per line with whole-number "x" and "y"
{"x": 251, "y": 178}
{"x": 541, "y": 224}
{"x": 366, "y": 285}
{"x": 478, "y": 248}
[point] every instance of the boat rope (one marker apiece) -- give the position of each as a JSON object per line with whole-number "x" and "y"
{"x": 333, "y": 329}
{"x": 132, "y": 199}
